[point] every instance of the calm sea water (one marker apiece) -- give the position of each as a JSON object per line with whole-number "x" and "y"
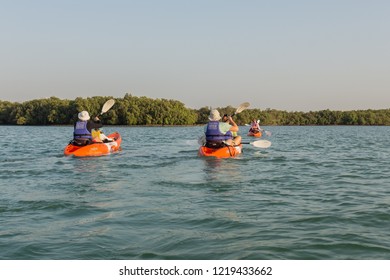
{"x": 316, "y": 193}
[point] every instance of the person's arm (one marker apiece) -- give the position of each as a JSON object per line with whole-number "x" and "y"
{"x": 234, "y": 127}
{"x": 95, "y": 124}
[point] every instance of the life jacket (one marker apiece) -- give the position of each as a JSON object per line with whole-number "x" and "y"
{"x": 213, "y": 134}
{"x": 81, "y": 131}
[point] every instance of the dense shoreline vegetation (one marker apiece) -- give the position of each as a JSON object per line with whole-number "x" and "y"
{"x": 132, "y": 110}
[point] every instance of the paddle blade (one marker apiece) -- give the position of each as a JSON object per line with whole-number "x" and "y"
{"x": 261, "y": 144}
{"x": 268, "y": 133}
{"x": 242, "y": 107}
{"x": 107, "y": 106}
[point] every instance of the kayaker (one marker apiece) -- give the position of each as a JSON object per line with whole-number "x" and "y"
{"x": 225, "y": 119}
{"x": 255, "y": 127}
{"x": 82, "y": 134}
{"x": 219, "y": 134}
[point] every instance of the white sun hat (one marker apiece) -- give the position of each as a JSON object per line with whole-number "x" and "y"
{"x": 214, "y": 115}
{"x": 84, "y": 116}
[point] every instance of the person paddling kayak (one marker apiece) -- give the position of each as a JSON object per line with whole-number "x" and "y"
{"x": 225, "y": 119}
{"x": 82, "y": 134}
{"x": 219, "y": 134}
{"x": 255, "y": 127}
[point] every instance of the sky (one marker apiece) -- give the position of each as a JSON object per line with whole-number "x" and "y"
{"x": 292, "y": 55}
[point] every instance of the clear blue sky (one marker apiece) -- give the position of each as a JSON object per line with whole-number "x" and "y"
{"x": 290, "y": 55}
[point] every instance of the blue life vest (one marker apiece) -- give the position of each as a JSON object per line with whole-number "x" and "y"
{"x": 213, "y": 134}
{"x": 81, "y": 131}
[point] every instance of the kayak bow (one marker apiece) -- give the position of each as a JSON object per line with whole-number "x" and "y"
{"x": 255, "y": 134}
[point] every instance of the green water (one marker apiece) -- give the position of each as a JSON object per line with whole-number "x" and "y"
{"x": 316, "y": 193}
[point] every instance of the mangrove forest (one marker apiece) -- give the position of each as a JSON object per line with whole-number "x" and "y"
{"x": 133, "y": 110}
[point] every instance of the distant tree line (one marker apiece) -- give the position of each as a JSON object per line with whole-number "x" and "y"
{"x": 132, "y": 110}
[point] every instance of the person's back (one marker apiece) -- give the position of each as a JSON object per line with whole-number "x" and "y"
{"x": 82, "y": 134}
{"x": 219, "y": 134}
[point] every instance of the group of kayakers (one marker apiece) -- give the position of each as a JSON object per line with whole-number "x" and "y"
{"x": 219, "y": 131}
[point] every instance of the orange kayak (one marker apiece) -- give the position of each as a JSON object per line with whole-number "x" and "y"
{"x": 95, "y": 149}
{"x": 224, "y": 152}
{"x": 256, "y": 134}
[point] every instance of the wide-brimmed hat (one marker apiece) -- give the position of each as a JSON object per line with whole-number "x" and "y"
{"x": 214, "y": 115}
{"x": 84, "y": 116}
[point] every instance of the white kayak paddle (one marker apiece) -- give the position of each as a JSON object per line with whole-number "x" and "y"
{"x": 259, "y": 144}
{"x": 241, "y": 108}
{"x": 107, "y": 106}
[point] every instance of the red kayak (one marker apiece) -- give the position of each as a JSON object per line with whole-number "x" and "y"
{"x": 95, "y": 149}
{"x": 224, "y": 152}
{"x": 255, "y": 134}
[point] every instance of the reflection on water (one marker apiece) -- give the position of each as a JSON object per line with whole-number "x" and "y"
{"x": 91, "y": 165}
{"x": 221, "y": 170}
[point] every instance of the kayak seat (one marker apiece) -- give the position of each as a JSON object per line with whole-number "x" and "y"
{"x": 80, "y": 142}
{"x": 215, "y": 145}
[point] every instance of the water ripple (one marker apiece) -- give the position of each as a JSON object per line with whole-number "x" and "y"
{"x": 317, "y": 193}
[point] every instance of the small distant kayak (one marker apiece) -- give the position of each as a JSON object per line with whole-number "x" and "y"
{"x": 94, "y": 149}
{"x": 256, "y": 134}
{"x": 224, "y": 152}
